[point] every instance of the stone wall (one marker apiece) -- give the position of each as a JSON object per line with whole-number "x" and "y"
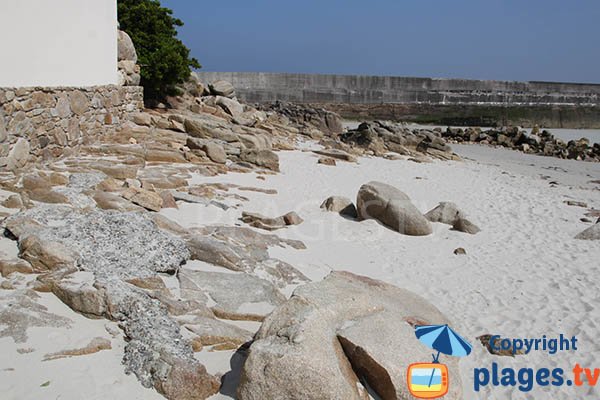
{"x": 426, "y": 99}
{"x": 47, "y": 120}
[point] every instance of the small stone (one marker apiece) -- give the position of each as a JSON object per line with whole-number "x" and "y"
{"x": 79, "y": 102}
{"x": 18, "y": 155}
{"x": 8, "y": 267}
{"x": 144, "y": 198}
{"x": 144, "y": 119}
{"x": 460, "y": 251}
{"x": 48, "y": 196}
{"x": 215, "y": 152}
{"x": 341, "y": 205}
{"x": 13, "y": 201}
{"x": 292, "y": 218}
{"x": 576, "y": 203}
{"x": 495, "y": 349}
{"x": 168, "y": 199}
{"x": 327, "y": 161}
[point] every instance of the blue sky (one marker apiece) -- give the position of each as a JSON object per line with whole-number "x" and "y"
{"x": 547, "y": 40}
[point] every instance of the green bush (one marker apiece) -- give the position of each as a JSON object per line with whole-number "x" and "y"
{"x": 165, "y": 61}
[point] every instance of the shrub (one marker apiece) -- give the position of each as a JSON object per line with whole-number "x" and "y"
{"x": 165, "y": 61}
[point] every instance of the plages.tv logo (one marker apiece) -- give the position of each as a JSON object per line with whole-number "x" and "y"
{"x": 430, "y": 380}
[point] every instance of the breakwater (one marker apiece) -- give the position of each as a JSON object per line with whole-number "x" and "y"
{"x": 427, "y": 100}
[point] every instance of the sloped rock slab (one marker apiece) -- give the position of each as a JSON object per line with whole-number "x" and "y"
{"x": 244, "y": 250}
{"x": 236, "y": 296}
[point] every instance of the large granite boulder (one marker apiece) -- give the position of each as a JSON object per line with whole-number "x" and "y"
{"x": 126, "y": 48}
{"x": 392, "y": 208}
{"x": 222, "y": 88}
{"x": 332, "y": 335}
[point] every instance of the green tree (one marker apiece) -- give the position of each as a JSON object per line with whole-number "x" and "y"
{"x": 165, "y": 61}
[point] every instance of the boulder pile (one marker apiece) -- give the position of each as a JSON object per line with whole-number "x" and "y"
{"x": 536, "y": 142}
{"x": 309, "y": 120}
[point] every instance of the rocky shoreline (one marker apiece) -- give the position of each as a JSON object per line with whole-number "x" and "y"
{"x": 89, "y": 229}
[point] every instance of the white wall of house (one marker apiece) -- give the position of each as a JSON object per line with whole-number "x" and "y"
{"x": 58, "y": 42}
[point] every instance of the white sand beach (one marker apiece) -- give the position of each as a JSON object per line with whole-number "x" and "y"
{"x": 524, "y": 275}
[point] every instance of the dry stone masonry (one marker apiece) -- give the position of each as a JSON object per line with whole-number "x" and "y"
{"x": 43, "y": 122}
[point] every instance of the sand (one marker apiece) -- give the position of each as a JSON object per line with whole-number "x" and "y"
{"x": 524, "y": 275}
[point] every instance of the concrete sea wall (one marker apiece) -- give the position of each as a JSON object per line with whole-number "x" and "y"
{"x": 427, "y": 100}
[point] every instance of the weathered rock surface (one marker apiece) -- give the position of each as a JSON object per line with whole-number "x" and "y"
{"x": 341, "y": 205}
{"x": 113, "y": 247}
{"x": 222, "y": 88}
{"x": 446, "y": 213}
{"x": 10, "y": 266}
{"x": 144, "y": 198}
{"x": 304, "y": 116}
{"x": 271, "y": 224}
{"x": 236, "y": 296}
{"x": 108, "y": 243}
{"x": 466, "y": 226}
{"x": 95, "y": 345}
{"x": 336, "y": 154}
{"x": 24, "y": 313}
{"x": 331, "y": 334}
{"x": 126, "y": 49}
{"x": 230, "y": 106}
{"x": 111, "y": 201}
{"x": 78, "y": 292}
{"x": 244, "y": 250}
{"x": 213, "y": 332}
{"x": 381, "y": 137}
{"x": 18, "y": 155}
{"x": 392, "y": 208}
{"x": 542, "y": 143}
{"x": 591, "y": 233}
{"x": 262, "y": 158}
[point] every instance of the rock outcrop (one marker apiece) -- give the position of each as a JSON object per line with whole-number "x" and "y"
{"x": 306, "y": 118}
{"x": 380, "y": 138}
{"x": 332, "y": 335}
{"x": 112, "y": 248}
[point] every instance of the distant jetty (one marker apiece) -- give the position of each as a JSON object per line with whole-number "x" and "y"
{"x": 427, "y": 100}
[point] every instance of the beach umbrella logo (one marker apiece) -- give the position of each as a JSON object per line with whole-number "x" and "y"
{"x": 430, "y": 380}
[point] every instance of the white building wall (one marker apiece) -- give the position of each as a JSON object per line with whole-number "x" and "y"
{"x": 58, "y": 43}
